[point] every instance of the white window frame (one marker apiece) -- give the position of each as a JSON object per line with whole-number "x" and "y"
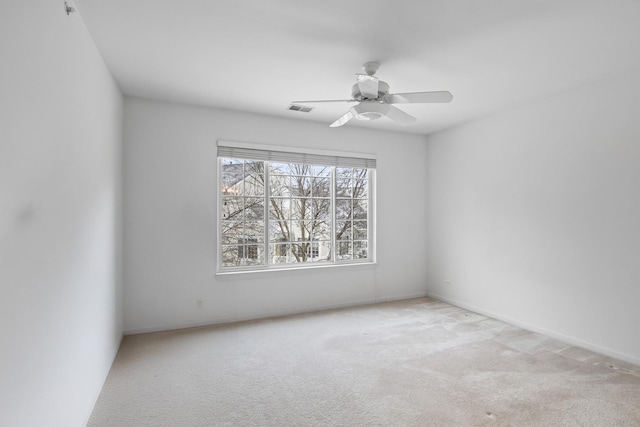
{"x": 272, "y": 153}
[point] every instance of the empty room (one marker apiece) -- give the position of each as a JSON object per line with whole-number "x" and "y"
{"x": 329, "y": 213}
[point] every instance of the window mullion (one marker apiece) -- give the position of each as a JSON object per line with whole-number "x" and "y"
{"x": 334, "y": 245}
{"x": 370, "y": 213}
{"x": 266, "y": 214}
{"x": 219, "y": 213}
{"x": 243, "y": 197}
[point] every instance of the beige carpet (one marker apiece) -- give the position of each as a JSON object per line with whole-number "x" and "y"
{"x": 411, "y": 363}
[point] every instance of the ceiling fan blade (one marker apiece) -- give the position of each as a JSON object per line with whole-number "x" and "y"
{"x": 419, "y": 97}
{"x": 327, "y": 100}
{"x": 343, "y": 119}
{"x": 399, "y": 116}
{"x": 368, "y": 86}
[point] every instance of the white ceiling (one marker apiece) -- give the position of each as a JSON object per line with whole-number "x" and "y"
{"x": 259, "y": 55}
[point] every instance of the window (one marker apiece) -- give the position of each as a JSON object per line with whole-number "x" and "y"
{"x": 283, "y": 209}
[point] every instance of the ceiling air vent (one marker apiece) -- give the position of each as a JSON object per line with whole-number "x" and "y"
{"x": 301, "y": 108}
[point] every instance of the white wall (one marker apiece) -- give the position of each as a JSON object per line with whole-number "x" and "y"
{"x": 170, "y": 218}
{"x": 534, "y": 215}
{"x": 60, "y": 292}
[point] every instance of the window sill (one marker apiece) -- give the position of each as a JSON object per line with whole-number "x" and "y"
{"x": 363, "y": 264}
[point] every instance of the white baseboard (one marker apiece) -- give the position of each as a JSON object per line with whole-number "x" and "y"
{"x": 533, "y": 328}
{"x": 272, "y": 314}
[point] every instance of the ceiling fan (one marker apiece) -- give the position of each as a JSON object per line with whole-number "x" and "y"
{"x": 375, "y": 101}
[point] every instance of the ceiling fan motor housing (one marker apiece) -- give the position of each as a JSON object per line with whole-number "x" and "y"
{"x": 383, "y": 89}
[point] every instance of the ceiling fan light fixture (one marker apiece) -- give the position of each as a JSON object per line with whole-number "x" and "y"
{"x": 370, "y": 110}
{"x": 369, "y": 115}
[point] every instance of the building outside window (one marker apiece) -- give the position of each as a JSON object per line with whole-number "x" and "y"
{"x": 247, "y": 248}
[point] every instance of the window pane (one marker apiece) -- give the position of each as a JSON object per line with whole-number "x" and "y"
{"x": 360, "y": 188}
{"x": 343, "y": 187}
{"x": 279, "y": 185}
{"x": 301, "y": 251}
{"x": 301, "y": 208}
{"x": 279, "y": 253}
{"x": 321, "y": 209}
{"x": 254, "y": 185}
{"x": 360, "y": 173}
{"x": 231, "y": 231}
{"x": 360, "y": 250}
{"x": 253, "y": 167}
{"x": 258, "y": 259}
{"x": 250, "y": 254}
{"x": 344, "y": 251}
{"x": 230, "y": 256}
{"x": 232, "y": 208}
{"x": 300, "y": 186}
{"x": 300, "y": 230}
{"x": 344, "y": 230}
{"x": 360, "y": 230}
{"x": 321, "y": 251}
{"x": 300, "y": 169}
{"x": 279, "y": 208}
{"x": 321, "y": 187}
{"x": 253, "y": 208}
{"x": 321, "y": 171}
{"x": 279, "y": 168}
{"x": 232, "y": 176}
{"x": 229, "y": 162}
{"x": 343, "y": 208}
{"x": 321, "y": 231}
{"x": 254, "y": 231}
{"x": 279, "y": 231}
{"x": 344, "y": 172}
{"x": 231, "y": 186}
{"x": 360, "y": 209}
